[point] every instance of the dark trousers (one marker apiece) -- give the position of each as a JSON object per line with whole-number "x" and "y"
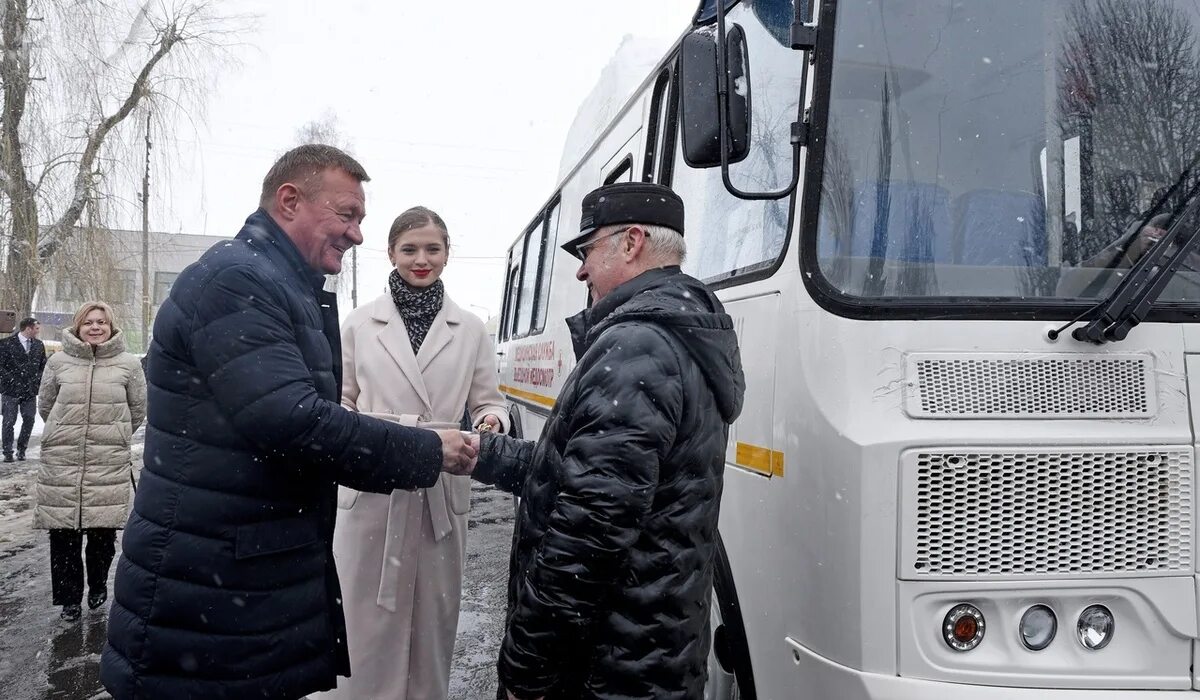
{"x": 10, "y": 406}
{"x": 66, "y": 567}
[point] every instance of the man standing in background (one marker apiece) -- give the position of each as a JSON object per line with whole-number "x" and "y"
{"x": 22, "y": 359}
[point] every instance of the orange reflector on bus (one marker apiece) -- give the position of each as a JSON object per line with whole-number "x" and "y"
{"x": 963, "y": 627}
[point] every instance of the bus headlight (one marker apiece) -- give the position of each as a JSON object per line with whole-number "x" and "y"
{"x": 1038, "y": 627}
{"x": 963, "y": 627}
{"x": 1095, "y": 627}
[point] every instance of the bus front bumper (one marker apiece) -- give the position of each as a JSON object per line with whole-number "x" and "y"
{"x": 819, "y": 677}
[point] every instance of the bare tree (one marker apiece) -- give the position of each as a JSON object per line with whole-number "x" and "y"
{"x": 876, "y": 280}
{"x": 93, "y": 265}
{"x": 837, "y": 204}
{"x": 71, "y": 73}
{"x": 1130, "y": 86}
{"x": 326, "y": 130}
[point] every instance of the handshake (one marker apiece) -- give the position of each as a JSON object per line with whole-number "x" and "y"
{"x": 460, "y": 451}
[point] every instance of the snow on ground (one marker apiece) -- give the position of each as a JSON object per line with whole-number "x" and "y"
{"x": 16, "y": 500}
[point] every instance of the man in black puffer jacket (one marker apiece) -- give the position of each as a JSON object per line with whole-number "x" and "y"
{"x": 226, "y": 586}
{"x": 611, "y": 572}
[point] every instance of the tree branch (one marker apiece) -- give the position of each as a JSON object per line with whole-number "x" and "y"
{"x": 61, "y": 229}
{"x": 14, "y": 75}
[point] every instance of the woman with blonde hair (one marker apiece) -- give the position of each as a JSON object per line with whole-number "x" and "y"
{"x": 93, "y": 398}
{"x": 415, "y": 357}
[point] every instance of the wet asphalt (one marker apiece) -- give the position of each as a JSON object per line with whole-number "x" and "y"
{"x": 44, "y": 658}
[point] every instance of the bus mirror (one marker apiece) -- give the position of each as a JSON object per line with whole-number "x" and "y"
{"x": 701, "y": 99}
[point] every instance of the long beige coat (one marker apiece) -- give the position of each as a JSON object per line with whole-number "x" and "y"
{"x": 400, "y": 556}
{"x": 92, "y": 403}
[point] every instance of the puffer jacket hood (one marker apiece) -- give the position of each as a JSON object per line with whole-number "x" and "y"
{"x": 683, "y": 306}
{"x": 74, "y": 346}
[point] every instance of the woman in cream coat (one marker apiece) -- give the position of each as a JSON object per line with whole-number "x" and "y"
{"x": 93, "y": 398}
{"x": 413, "y": 356}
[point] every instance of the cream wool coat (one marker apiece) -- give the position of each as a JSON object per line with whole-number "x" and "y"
{"x": 92, "y": 404}
{"x": 400, "y": 556}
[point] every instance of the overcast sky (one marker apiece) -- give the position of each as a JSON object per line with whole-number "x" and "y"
{"x": 462, "y": 107}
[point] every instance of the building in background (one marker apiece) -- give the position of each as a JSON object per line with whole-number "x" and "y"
{"x": 492, "y": 326}
{"x": 106, "y": 264}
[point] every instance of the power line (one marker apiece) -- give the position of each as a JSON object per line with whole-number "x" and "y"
{"x": 455, "y": 146}
{"x": 407, "y": 164}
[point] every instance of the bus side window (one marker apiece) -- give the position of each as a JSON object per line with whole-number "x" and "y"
{"x": 656, "y": 124}
{"x": 511, "y": 288}
{"x": 666, "y": 150}
{"x": 729, "y": 237}
{"x": 622, "y": 173}
{"x": 530, "y": 268}
{"x": 546, "y": 264}
{"x": 529, "y": 274}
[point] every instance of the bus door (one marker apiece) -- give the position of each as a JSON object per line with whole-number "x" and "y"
{"x": 738, "y": 245}
{"x": 752, "y": 437}
{"x": 740, "y": 234}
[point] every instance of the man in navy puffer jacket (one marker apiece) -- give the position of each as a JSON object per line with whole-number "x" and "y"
{"x": 226, "y": 586}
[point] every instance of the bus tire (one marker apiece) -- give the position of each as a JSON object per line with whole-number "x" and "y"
{"x": 730, "y": 674}
{"x": 514, "y": 423}
{"x": 515, "y": 430}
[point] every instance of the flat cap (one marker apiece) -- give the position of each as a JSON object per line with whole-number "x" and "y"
{"x": 628, "y": 203}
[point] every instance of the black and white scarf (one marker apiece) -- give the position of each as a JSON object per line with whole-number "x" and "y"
{"x": 417, "y": 306}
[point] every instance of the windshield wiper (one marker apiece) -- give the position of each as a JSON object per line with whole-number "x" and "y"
{"x": 1130, "y": 302}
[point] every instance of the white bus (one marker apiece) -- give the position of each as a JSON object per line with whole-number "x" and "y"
{"x": 938, "y": 488}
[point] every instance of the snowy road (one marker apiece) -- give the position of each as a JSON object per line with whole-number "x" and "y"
{"x": 42, "y": 658}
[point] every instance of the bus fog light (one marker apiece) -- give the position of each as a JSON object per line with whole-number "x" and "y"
{"x": 1096, "y": 627}
{"x": 1038, "y": 627}
{"x": 963, "y": 627}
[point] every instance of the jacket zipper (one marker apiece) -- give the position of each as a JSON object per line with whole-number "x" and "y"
{"x": 87, "y": 426}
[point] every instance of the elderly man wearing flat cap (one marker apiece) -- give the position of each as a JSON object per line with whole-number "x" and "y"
{"x": 611, "y": 573}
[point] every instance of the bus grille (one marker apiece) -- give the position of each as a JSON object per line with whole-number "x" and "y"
{"x": 1059, "y": 512}
{"x": 950, "y": 385}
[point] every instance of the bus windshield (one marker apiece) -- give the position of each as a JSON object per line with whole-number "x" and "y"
{"x": 1007, "y": 150}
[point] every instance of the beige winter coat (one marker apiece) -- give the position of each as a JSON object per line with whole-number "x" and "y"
{"x": 92, "y": 404}
{"x": 400, "y": 556}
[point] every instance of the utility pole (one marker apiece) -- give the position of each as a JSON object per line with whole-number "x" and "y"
{"x": 354, "y": 277}
{"x": 146, "y": 244}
